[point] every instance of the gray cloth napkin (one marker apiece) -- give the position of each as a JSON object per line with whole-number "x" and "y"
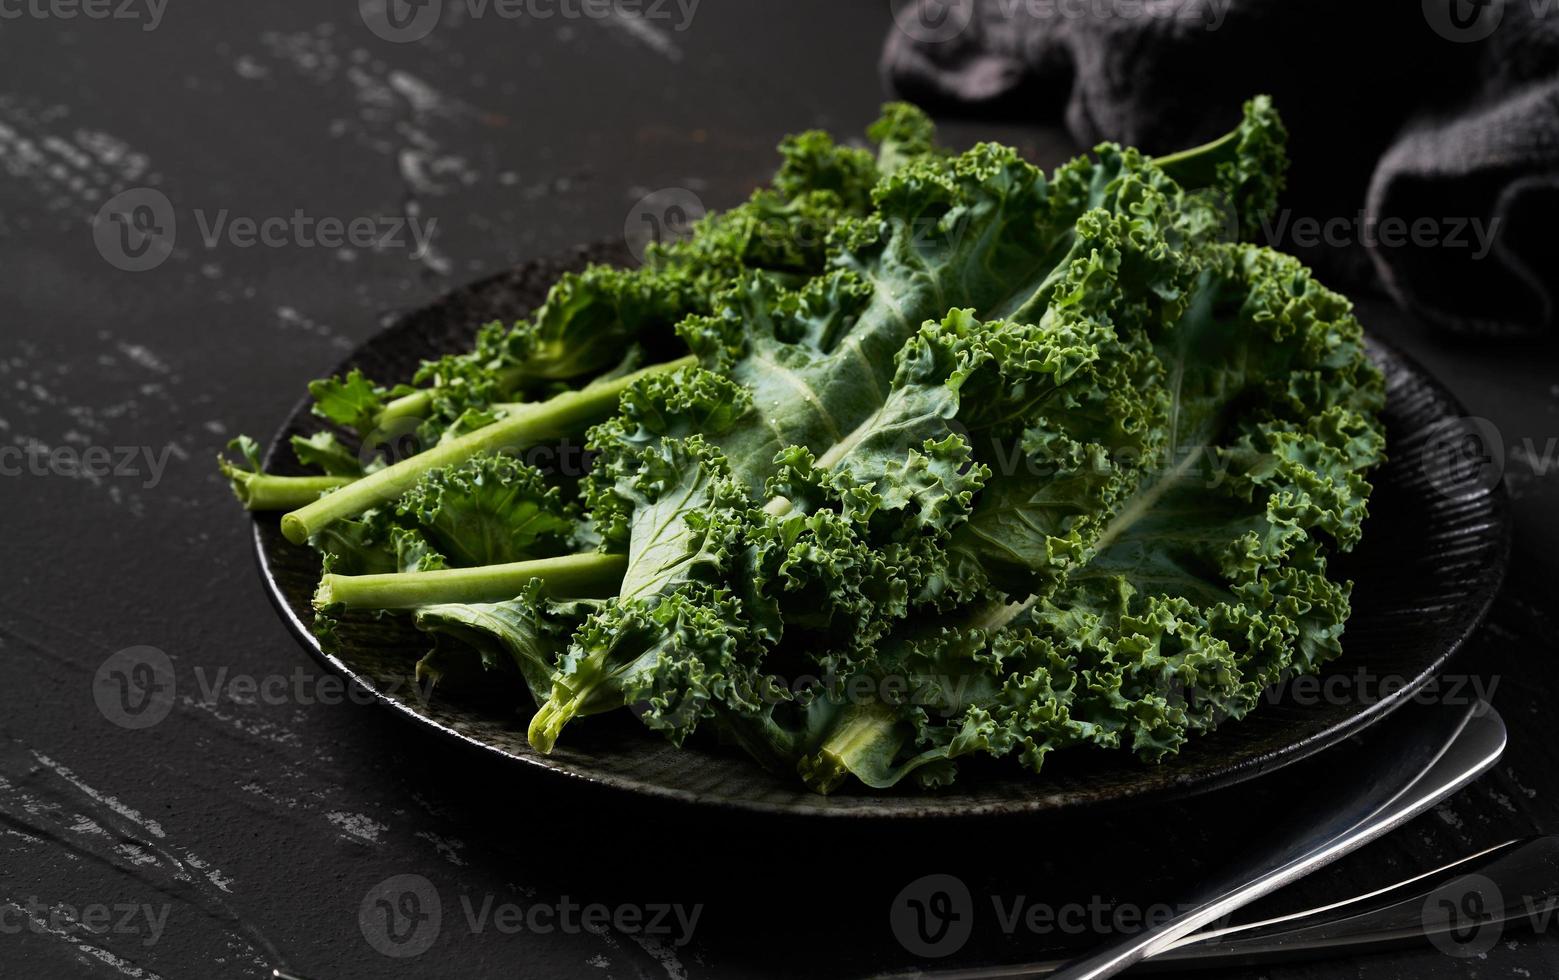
{"x": 1425, "y": 137}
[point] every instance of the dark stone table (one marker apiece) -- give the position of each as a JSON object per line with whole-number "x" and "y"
{"x": 252, "y": 825}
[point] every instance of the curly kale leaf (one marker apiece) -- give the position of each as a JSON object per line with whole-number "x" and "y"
{"x": 325, "y": 452}
{"x": 671, "y": 657}
{"x": 985, "y": 231}
{"x": 489, "y": 511}
{"x": 1209, "y": 584}
{"x": 353, "y": 401}
{"x": 473, "y": 642}
{"x": 590, "y": 317}
{"x": 1244, "y": 172}
{"x": 658, "y": 488}
{"x": 860, "y": 450}
{"x": 671, "y": 638}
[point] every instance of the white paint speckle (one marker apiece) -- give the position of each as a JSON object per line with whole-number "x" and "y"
{"x": 143, "y": 356}
{"x": 248, "y": 67}
{"x": 70, "y": 169}
{"x": 134, "y": 816}
{"x": 665, "y": 954}
{"x": 641, "y": 30}
{"x": 357, "y": 825}
{"x": 1449, "y": 816}
{"x": 447, "y": 847}
{"x": 47, "y": 924}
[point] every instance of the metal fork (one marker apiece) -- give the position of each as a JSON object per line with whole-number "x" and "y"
{"x": 1424, "y": 762}
{"x": 1509, "y": 881}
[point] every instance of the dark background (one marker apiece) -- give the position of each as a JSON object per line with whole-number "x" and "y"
{"x": 262, "y": 823}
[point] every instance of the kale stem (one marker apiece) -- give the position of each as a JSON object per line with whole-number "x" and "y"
{"x": 418, "y": 404}
{"x": 1198, "y": 166}
{"x": 412, "y": 406}
{"x": 995, "y": 617}
{"x": 548, "y": 721}
{"x": 864, "y": 731}
{"x": 262, "y": 491}
{"x": 779, "y": 506}
{"x": 587, "y": 692}
{"x": 568, "y": 577}
{"x": 527, "y": 426}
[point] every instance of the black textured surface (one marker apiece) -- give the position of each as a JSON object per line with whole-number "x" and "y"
{"x": 1433, "y": 557}
{"x": 262, "y": 823}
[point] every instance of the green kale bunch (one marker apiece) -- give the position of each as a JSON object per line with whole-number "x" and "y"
{"x": 1034, "y": 460}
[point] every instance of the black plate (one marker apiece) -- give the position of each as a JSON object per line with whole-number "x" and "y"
{"x": 1432, "y": 559}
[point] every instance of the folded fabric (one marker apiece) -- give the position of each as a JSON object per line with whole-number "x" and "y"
{"x": 1425, "y": 137}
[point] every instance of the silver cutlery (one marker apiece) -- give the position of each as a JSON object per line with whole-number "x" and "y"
{"x": 1516, "y": 885}
{"x": 1426, "y": 761}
